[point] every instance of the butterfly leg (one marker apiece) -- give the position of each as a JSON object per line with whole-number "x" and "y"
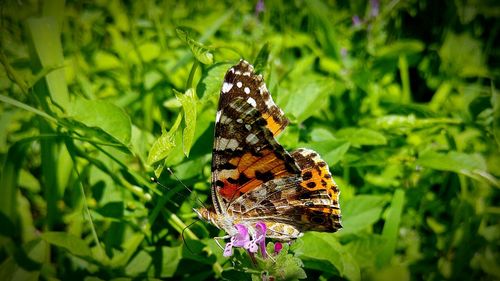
{"x": 221, "y": 238}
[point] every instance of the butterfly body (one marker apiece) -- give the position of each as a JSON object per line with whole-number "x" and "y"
{"x": 254, "y": 179}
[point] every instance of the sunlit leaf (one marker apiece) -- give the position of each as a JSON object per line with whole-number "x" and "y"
{"x": 361, "y": 136}
{"x": 321, "y": 251}
{"x": 73, "y": 244}
{"x": 188, "y": 101}
{"x": 164, "y": 144}
{"x": 102, "y": 115}
{"x": 361, "y": 212}
{"x": 200, "y": 51}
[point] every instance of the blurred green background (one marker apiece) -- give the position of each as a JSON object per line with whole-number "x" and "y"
{"x": 399, "y": 97}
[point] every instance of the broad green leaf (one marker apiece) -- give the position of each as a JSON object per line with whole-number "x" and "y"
{"x": 106, "y": 61}
{"x": 149, "y": 51}
{"x": 361, "y": 136}
{"x": 305, "y": 105}
{"x": 365, "y": 249}
{"x": 465, "y": 61}
{"x": 164, "y": 144}
{"x": 390, "y": 233}
{"x": 104, "y": 116}
{"x": 171, "y": 258}
{"x": 18, "y": 268}
{"x": 188, "y": 101}
{"x": 332, "y": 151}
{"x": 73, "y": 244}
{"x": 321, "y": 251}
{"x": 211, "y": 83}
{"x": 129, "y": 248}
{"x": 200, "y": 51}
{"x": 361, "y": 212}
{"x": 452, "y": 161}
{"x": 139, "y": 264}
{"x": 112, "y": 209}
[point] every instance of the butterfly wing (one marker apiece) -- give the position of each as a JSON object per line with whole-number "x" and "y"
{"x": 245, "y": 153}
{"x": 292, "y": 205}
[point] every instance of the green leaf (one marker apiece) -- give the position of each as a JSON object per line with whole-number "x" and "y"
{"x": 104, "y": 116}
{"x": 322, "y": 252}
{"x": 139, "y": 264}
{"x": 211, "y": 83}
{"x": 112, "y": 209}
{"x": 200, "y": 51}
{"x": 45, "y": 36}
{"x": 261, "y": 59}
{"x": 332, "y": 151}
{"x": 149, "y": 51}
{"x": 106, "y": 61}
{"x": 361, "y": 136}
{"x": 188, "y": 101}
{"x": 304, "y": 106}
{"x": 401, "y": 47}
{"x": 164, "y": 144}
{"x": 361, "y": 212}
{"x": 390, "y": 232}
{"x": 466, "y": 61}
{"x": 453, "y": 161}
{"x": 365, "y": 249}
{"x": 288, "y": 267}
{"x": 129, "y": 248}
{"x": 73, "y": 244}
{"x": 171, "y": 258}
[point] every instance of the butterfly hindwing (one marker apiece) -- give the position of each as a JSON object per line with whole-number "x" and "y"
{"x": 294, "y": 200}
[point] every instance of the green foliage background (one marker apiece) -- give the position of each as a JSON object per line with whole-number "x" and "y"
{"x": 399, "y": 97}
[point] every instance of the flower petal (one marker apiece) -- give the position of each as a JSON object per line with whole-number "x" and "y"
{"x": 240, "y": 239}
{"x": 228, "y": 250}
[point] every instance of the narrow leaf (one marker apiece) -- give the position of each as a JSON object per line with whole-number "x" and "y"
{"x": 188, "y": 101}
{"x": 391, "y": 228}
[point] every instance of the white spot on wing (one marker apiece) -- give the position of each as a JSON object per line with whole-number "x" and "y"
{"x": 252, "y": 102}
{"x": 251, "y": 139}
{"x": 247, "y": 90}
{"x": 248, "y": 127}
{"x": 226, "y": 87}
{"x": 232, "y": 144}
{"x": 239, "y": 84}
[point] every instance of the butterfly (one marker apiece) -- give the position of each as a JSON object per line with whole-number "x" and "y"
{"x": 254, "y": 179}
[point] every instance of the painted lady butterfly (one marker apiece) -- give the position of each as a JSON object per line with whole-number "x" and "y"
{"x": 254, "y": 179}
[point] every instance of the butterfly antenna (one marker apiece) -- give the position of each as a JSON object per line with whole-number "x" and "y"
{"x": 185, "y": 186}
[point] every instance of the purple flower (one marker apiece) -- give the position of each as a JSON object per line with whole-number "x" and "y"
{"x": 239, "y": 240}
{"x": 375, "y": 5}
{"x": 277, "y": 247}
{"x": 242, "y": 239}
{"x": 356, "y": 21}
{"x": 259, "y": 7}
